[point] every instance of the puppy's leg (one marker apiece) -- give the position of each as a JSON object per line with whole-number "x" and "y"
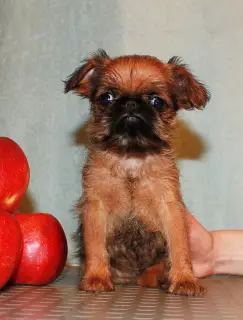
{"x": 181, "y": 277}
{"x": 168, "y": 215}
{"x": 153, "y": 276}
{"x": 97, "y": 274}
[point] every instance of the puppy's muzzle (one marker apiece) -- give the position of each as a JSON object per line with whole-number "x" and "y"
{"x": 130, "y": 118}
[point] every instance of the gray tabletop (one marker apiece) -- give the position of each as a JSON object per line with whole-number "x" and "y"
{"x": 62, "y": 300}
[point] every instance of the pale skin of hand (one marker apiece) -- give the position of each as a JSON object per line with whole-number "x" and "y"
{"x": 215, "y": 252}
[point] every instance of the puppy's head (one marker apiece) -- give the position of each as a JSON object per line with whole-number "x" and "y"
{"x": 134, "y": 99}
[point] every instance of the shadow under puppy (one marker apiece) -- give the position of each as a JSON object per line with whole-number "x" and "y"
{"x": 133, "y": 216}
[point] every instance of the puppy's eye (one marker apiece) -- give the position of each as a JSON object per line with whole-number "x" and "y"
{"x": 156, "y": 102}
{"x": 106, "y": 98}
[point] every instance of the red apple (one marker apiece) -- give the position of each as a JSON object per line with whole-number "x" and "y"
{"x": 10, "y": 246}
{"x": 44, "y": 251}
{"x": 14, "y": 174}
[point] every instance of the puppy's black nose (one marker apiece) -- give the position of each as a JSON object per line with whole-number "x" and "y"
{"x": 131, "y": 104}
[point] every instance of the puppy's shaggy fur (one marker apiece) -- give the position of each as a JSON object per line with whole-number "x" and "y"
{"x": 133, "y": 215}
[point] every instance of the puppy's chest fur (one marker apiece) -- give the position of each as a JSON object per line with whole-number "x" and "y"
{"x": 125, "y": 186}
{"x": 132, "y": 168}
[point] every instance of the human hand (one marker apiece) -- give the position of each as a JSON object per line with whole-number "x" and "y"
{"x": 201, "y": 247}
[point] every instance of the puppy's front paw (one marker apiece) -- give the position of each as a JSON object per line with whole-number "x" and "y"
{"x": 96, "y": 284}
{"x": 186, "y": 288}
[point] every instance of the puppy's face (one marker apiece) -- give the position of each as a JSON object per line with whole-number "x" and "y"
{"x": 134, "y": 100}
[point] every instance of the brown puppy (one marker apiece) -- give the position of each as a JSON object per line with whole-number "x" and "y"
{"x": 133, "y": 215}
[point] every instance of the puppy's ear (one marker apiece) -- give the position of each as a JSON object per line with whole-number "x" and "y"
{"x": 188, "y": 93}
{"x": 79, "y": 80}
